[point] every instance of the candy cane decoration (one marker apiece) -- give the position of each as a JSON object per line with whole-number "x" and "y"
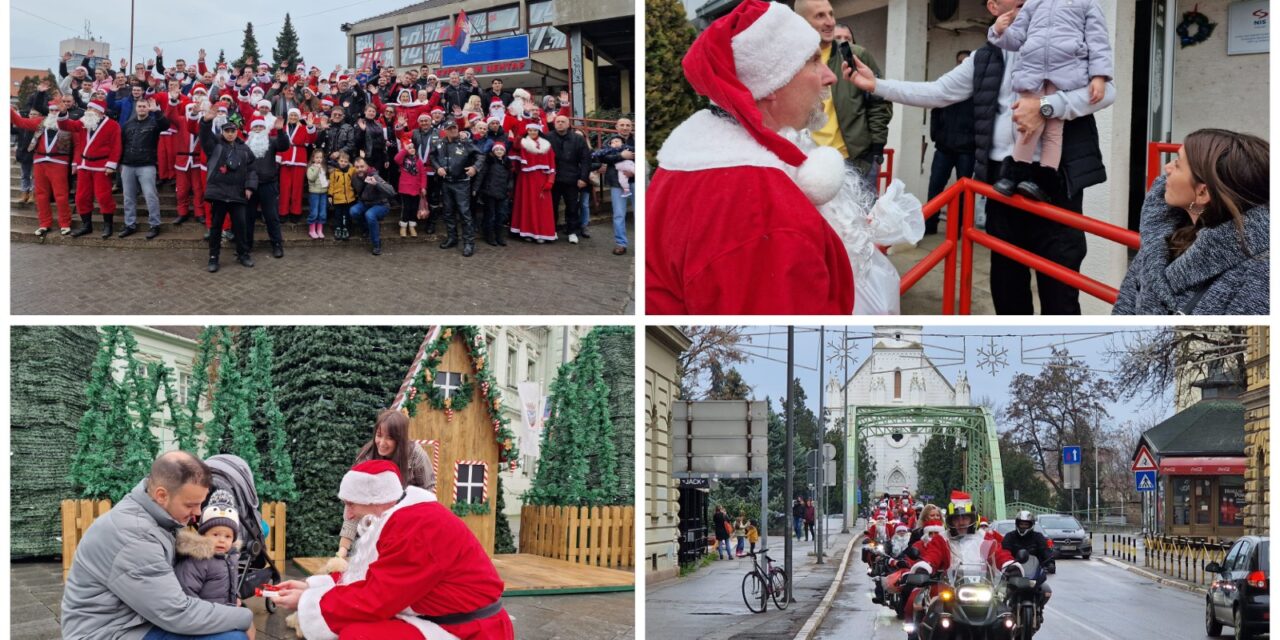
{"x": 434, "y": 445}
{"x": 402, "y": 394}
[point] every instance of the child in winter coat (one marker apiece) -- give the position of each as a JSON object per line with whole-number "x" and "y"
{"x": 317, "y": 194}
{"x": 1071, "y": 50}
{"x": 412, "y": 187}
{"x": 342, "y": 194}
{"x": 626, "y": 168}
{"x": 206, "y": 567}
{"x": 753, "y": 535}
{"x": 497, "y": 180}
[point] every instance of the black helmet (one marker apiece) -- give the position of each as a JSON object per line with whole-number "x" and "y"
{"x": 1021, "y": 517}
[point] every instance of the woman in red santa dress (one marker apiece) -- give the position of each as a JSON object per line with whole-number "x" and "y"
{"x": 532, "y": 215}
{"x": 417, "y": 572}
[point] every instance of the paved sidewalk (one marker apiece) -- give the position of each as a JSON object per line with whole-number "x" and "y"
{"x": 708, "y": 603}
{"x": 35, "y": 595}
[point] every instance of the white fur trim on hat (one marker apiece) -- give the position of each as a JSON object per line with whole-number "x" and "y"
{"x": 263, "y": 103}
{"x": 295, "y": 110}
{"x": 364, "y": 488}
{"x": 769, "y": 53}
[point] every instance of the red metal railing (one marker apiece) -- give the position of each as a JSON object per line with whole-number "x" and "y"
{"x": 1155, "y": 151}
{"x": 962, "y": 237}
{"x": 886, "y": 171}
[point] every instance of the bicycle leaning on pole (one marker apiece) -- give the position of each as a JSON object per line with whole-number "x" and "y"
{"x": 762, "y": 583}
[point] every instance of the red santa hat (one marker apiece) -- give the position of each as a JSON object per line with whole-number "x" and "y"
{"x": 263, "y": 103}
{"x": 55, "y": 105}
{"x": 534, "y": 126}
{"x": 961, "y": 503}
{"x": 372, "y": 482}
{"x": 326, "y": 103}
{"x": 423, "y": 116}
{"x": 901, "y": 527}
{"x": 99, "y": 106}
{"x": 222, "y": 108}
{"x": 496, "y": 119}
{"x": 257, "y": 122}
{"x": 437, "y": 110}
{"x": 933, "y": 524}
{"x": 343, "y": 78}
{"x": 472, "y": 116}
{"x": 749, "y": 54}
{"x": 295, "y": 111}
{"x": 263, "y": 65}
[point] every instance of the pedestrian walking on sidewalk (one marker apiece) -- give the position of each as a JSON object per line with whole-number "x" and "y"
{"x": 797, "y": 516}
{"x": 740, "y": 533}
{"x": 724, "y": 530}
{"x": 810, "y": 517}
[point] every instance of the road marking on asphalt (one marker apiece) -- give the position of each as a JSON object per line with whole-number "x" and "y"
{"x": 1082, "y": 625}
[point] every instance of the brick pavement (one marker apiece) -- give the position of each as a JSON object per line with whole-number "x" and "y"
{"x": 408, "y": 278}
{"x": 35, "y": 595}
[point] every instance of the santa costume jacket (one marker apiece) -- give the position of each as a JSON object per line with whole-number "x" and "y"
{"x": 98, "y": 150}
{"x": 533, "y": 215}
{"x": 417, "y": 559}
{"x": 944, "y": 553}
{"x": 731, "y": 231}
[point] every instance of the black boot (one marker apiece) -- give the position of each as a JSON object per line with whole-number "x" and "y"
{"x": 277, "y": 251}
{"x": 500, "y": 235}
{"x": 128, "y": 230}
{"x": 1031, "y": 189}
{"x": 86, "y": 227}
{"x": 106, "y": 225}
{"x": 1011, "y": 173}
{"x": 450, "y": 242}
{"x": 468, "y": 249}
{"x": 181, "y": 220}
{"x": 213, "y": 264}
{"x": 377, "y": 248}
{"x": 491, "y": 237}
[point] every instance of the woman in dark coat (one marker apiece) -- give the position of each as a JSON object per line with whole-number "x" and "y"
{"x": 1205, "y": 232}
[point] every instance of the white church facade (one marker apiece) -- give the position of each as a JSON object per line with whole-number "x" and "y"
{"x": 896, "y": 373}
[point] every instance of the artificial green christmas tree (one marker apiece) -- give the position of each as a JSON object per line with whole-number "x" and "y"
{"x": 669, "y": 99}
{"x": 578, "y": 463}
{"x": 502, "y": 540}
{"x": 222, "y": 55}
{"x": 277, "y": 482}
{"x": 330, "y": 383}
{"x": 47, "y": 366}
{"x": 248, "y": 48}
{"x": 618, "y": 348}
{"x": 285, "y": 53}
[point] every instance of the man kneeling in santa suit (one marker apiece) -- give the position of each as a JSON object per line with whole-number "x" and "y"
{"x": 416, "y": 572}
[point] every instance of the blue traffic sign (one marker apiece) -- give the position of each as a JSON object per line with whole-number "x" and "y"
{"x": 1071, "y": 455}
{"x": 1145, "y": 480}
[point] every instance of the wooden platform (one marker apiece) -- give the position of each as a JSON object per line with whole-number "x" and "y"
{"x": 529, "y": 575}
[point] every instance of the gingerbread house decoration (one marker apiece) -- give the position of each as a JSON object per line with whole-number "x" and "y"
{"x": 454, "y": 406}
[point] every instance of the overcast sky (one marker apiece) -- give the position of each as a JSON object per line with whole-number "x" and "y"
{"x": 182, "y": 28}
{"x": 951, "y": 349}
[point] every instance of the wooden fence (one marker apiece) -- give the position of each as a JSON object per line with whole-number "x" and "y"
{"x": 77, "y": 515}
{"x": 593, "y": 536}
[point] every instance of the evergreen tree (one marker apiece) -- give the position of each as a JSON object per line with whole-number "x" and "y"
{"x": 669, "y": 99}
{"x": 331, "y": 381}
{"x": 268, "y": 423}
{"x": 579, "y": 462}
{"x": 1022, "y": 482}
{"x": 941, "y": 469}
{"x": 28, "y": 86}
{"x": 727, "y": 385}
{"x": 618, "y": 346}
{"x": 248, "y": 48}
{"x": 222, "y": 55}
{"x": 47, "y": 367}
{"x": 502, "y": 540}
{"x": 285, "y": 53}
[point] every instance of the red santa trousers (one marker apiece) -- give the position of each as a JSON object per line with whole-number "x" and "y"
{"x": 94, "y": 185}
{"x": 292, "y": 179}
{"x": 167, "y": 153}
{"x": 190, "y": 183}
{"x": 497, "y": 626}
{"x": 52, "y": 181}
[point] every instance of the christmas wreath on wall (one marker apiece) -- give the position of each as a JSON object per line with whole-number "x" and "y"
{"x": 424, "y": 384}
{"x": 1194, "y": 18}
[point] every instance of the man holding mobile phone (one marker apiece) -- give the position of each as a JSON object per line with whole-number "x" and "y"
{"x": 857, "y": 121}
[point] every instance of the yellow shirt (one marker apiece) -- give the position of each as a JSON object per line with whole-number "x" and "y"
{"x": 829, "y": 135}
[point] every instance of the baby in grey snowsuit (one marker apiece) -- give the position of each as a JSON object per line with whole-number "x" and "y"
{"x": 206, "y": 566}
{"x": 1065, "y": 46}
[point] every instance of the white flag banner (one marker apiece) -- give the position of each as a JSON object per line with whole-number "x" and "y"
{"x": 532, "y": 403}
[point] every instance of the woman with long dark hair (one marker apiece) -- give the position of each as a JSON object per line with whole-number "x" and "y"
{"x": 391, "y": 442}
{"x": 1205, "y": 232}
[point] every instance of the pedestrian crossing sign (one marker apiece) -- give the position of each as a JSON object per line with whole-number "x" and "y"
{"x": 1145, "y": 480}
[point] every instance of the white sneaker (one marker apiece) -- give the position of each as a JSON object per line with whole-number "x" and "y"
{"x": 66, "y": 231}
{"x": 573, "y": 238}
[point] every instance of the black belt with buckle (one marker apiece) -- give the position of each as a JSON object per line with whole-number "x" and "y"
{"x": 460, "y": 618}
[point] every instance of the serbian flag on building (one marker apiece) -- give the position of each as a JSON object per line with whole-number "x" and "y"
{"x": 461, "y": 33}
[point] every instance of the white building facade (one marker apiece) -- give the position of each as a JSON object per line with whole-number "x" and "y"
{"x": 896, "y": 373}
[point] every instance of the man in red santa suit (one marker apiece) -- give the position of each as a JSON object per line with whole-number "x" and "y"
{"x": 53, "y": 150}
{"x": 293, "y": 163}
{"x": 98, "y": 147}
{"x": 417, "y": 572}
{"x": 734, "y": 225}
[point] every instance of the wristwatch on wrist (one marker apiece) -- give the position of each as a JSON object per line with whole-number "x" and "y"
{"x": 1046, "y": 109}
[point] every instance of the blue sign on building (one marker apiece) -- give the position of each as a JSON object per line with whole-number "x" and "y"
{"x": 1071, "y": 455}
{"x": 486, "y": 51}
{"x": 1145, "y": 480}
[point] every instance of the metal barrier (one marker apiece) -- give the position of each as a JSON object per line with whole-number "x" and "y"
{"x": 962, "y": 237}
{"x": 1174, "y": 556}
{"x": 885, "y": 176}
{"x": 1155, "y": 151}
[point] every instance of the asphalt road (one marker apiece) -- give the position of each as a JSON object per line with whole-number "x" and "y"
{"x": 1091, "y": 601}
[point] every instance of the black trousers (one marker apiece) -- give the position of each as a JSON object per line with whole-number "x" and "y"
{"x": 408, "y": 207}
{"x": 457, "y": 210}
{"x": 265, "y": 206}
{"x": 572, "y": 197}
{"x": 496, "y": 212}
{"x": 1011, "y": 281}
{"x": 940, "y": 175}
{"x": 239, "y": 223}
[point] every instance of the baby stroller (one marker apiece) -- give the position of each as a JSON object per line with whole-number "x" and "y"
{"x": 232, "y": 474}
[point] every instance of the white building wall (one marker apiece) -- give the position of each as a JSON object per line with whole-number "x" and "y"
{"x": 1212, "y": 89}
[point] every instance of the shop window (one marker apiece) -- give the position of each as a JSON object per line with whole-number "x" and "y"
{"x": 1181, "y": 500}
{"x": 1231, "y": 503}
{"x": 495, "y": 23}
{"x": 421, "y": 43}
{"x": 374, "y": 47}
{"x": 1203, "y": 489}
{"x": 543, "y": 36}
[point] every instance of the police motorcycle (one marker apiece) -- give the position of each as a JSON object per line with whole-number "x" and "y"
{"x": 968, "y": 602}
{"x": 1024, "y": 596}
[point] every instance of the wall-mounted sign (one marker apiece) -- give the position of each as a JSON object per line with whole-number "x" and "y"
{"x": 1249, "y": 27}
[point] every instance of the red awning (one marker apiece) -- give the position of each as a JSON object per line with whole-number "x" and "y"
{"x": 1206, "y": 466}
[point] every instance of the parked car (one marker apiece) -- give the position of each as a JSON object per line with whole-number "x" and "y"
{"x": 1006, "y": 528}
{"x": 1239, "y": 594}
{"x": 1068, "y": 535}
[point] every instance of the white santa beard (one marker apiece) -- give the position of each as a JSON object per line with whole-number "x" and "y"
{"x": 91, "y": 119}
{"x": 847, "y": 212}
{"x": 258, "y": 143}
{"x": 50, "y": 121}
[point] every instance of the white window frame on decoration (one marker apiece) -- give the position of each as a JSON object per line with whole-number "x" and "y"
{"x": 448, "y": 388}
{"x": 484, "y": 481}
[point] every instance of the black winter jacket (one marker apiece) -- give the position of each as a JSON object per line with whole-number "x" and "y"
{"x": 372, "y": 194}
{"x": 951, "y": 127}
{"x": 338, "y": 137}
{"x": 497, "y": 177}
{"x": 230, "y": 167}
{"x": 457, "y": 95}
{"x": 454, "y": 157}
{"x": 266, "y": 167}
{"x": 573, "y": 157}
{"x": 139, "y": 139}
{"x": 1033, "y": 542}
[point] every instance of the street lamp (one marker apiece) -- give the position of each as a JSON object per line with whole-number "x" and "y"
{"x": 842, "y": 352}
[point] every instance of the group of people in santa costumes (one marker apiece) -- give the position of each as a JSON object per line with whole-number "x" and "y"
{"x": 416, "y": 572}
{"x": 746, "y": 213}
